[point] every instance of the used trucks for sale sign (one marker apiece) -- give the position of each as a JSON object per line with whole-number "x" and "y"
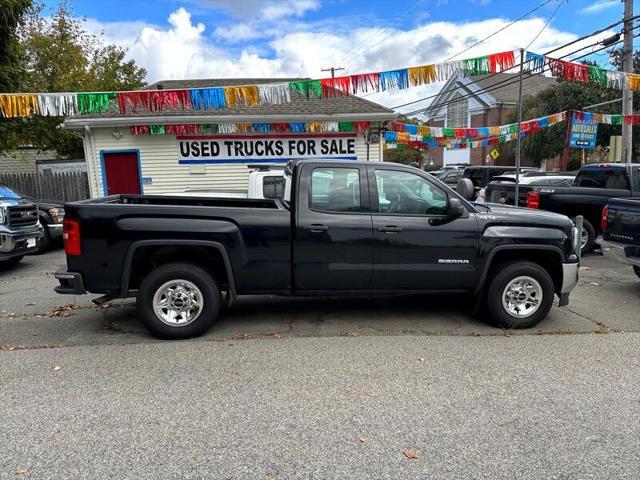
{"x": 214, "y": 149}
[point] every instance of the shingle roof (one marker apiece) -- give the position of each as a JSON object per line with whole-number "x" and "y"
{"x": 508, "y": 92}
{"x": 299, "y": 105}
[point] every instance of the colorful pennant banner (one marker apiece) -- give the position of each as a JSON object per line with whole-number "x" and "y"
{"x": 245, "y": 127}
{"x": 424, "y": 136}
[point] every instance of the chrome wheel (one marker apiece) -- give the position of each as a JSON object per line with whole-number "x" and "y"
{"x": 522, "y": 297}
{"x": 584, "y": 238}
{"x": 178, "y": 303}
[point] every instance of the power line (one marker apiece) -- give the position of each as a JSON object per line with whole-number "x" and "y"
{"x": 547, "y": 53}
{"x": 500, "y": 30}
{"x": 504, "y": 83}
{"x": 546, "y": 24}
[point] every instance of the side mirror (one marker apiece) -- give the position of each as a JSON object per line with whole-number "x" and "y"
{"x": 465, "y": 188}
{"x": 456, "y": 209}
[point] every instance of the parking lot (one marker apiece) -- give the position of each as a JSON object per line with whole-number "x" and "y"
{"x": 606, "y": 300}
{"x": 320, "y": 388}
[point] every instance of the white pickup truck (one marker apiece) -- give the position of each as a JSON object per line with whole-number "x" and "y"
{"x": 265, "y": 181}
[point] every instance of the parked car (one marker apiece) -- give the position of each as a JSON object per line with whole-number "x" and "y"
{"x": 621, "y": 231}
{"x": 20, "y": 229}
{"x": 342, "y": 228}
{"x": 50, "y": 214}
{"x": 265, "y": 181}
{"x": 592, "y": 188}
{"x": 482, "y": 175}
{"x": 451, "y": 177}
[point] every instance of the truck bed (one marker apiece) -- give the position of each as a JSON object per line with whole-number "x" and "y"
{"x": 623, "y": 220}
{"x": 183, "y": 200}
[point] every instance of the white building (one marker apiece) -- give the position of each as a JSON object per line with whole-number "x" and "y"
{"x": 119, "y": 161}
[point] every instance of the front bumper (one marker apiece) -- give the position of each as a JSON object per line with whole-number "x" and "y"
{"x": 569, "y": 281}
{"x": 71, "y": 283}
{"x": 628, "y": 254}
{"x": 24, "y": 242}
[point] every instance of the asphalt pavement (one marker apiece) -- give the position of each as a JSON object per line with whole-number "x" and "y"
{"x": 320, "y": 388}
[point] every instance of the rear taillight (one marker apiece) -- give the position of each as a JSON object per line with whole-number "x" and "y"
{"x": 71, "y": 235}
{"x": 603, "y": 221}
{"x": 533, "y": 200}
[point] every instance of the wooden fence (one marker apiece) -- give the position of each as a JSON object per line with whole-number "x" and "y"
{"x": 61, "y": 187}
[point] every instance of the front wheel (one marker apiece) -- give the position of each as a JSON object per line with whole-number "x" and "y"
{"x": 637, "y": 270}
{"x": 520, "y": 295}
{"x": 178, "y": 300}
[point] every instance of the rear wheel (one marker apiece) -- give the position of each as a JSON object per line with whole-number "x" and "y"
{"x": 178, "y": 300}
{"x": 587, "y": 236}
{"x": 637, "y": 270}
{"x": 520, "y": 295}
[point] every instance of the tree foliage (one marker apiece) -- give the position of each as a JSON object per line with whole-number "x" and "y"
{"x": 12, "y": 13}
{"x": 58, "y": 54}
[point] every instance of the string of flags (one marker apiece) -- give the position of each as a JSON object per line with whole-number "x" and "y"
{"x": 215, "y": 98}
{"x": 246, "y": 127}
{"x": 424, "y": 136}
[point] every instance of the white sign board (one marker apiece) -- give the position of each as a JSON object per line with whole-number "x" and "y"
{"x": 214, "y": 149}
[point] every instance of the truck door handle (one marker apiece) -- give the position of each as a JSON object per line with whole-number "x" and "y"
{"x": 317, "y": 228}
{"x": 390, "y": 229}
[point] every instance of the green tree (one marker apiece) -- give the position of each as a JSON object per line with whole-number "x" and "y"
{"x": 61, "y": 56}
{"x": 12, "y": 13}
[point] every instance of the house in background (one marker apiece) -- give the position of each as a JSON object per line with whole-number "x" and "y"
{"x": 28, "y": 159}
{"x": 482, "y": 101}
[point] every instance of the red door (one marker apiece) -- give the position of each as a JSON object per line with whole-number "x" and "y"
{"x": 121, "y": 173}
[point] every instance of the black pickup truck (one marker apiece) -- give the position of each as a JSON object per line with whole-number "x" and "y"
{"x": 594, "y": 185}
{"x": 343, "y": 228}
{"x": 621, "y": 231}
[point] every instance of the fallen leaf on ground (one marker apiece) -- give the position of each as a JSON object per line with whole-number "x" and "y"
{"x": 272, "y": 477}
{"x": 22, "y": 471}
{"x": 595, "y": 284}
{"x": 586, "y": 269}
{"x": 56, "y": 368}
{"x": 380, "y": 381}
{"x": 29, "y": 304}
{"x": 362, "y": 439}
{"x": 410, "y": 454}
{"x": 218, "y": 339}
{"x": 63, "y": 311}
{"x": 601, "y": 360}
{"x": 241, "y": 336}
{"x": 276, "y": 336}
{"x": 352, "y": 334}
{"x": 57, "y": 445}
{"x": 421, "y": 359}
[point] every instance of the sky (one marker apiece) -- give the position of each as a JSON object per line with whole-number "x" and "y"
{"x": 175, "y": 39}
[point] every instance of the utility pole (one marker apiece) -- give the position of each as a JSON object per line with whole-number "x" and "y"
{"x": 627, "y": 94}
{"x": 333, "y": 70}
{"x": 516, "y": 201}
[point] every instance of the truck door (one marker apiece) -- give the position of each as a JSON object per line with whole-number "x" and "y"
{"x": 417, "y": 246}
{"x": 333, "y": 245}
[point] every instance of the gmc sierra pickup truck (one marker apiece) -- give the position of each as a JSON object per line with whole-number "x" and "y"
{"x": 20, "y": 229}
{"x": 590, "y": 192}
{"x": 621, "y": 231}
{"x": 342, "y": 228}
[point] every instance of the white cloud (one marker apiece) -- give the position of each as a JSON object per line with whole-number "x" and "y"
{"x": 237, "y": 33}
{"x": 598, "y": 6}
{"x": 183, "y": 48}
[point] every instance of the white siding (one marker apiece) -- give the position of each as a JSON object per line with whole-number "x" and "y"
{"x": 159, "y": 160}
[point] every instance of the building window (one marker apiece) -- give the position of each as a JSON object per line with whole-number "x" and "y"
{"x": 458, "y": 112}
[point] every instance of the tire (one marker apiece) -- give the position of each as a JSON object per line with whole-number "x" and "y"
{"x": 182, "y": 283}
{"x": 11, "y": 262}
{"x": 531, "y": 274}
{"x": 590, "y": 233}
{"x": 45, "y": 241}
{"x": 637, "y": 270}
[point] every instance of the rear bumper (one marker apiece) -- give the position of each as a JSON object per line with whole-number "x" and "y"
{"x": 569, "y": 281}
{"x": 71, "y": 283}
{"x": 628, "y": 254}
{"x": 15, "y": 244}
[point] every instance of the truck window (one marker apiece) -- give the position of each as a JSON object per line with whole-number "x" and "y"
{"x": 335, "y": 189}
{"x": 273, "y": 187}
{"x": 405, "y": 193}
{"x": 476, "y": 176}
{"x": 610, "y": 178}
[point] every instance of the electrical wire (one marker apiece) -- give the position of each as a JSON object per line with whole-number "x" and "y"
{"x": 500, "y": 30}
{"x": 518, "y": 64}
{"x": 507, "y": 82}
{"x": 544, "y": 27}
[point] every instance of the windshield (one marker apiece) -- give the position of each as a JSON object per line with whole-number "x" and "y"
{"x": 6, "y": 192}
